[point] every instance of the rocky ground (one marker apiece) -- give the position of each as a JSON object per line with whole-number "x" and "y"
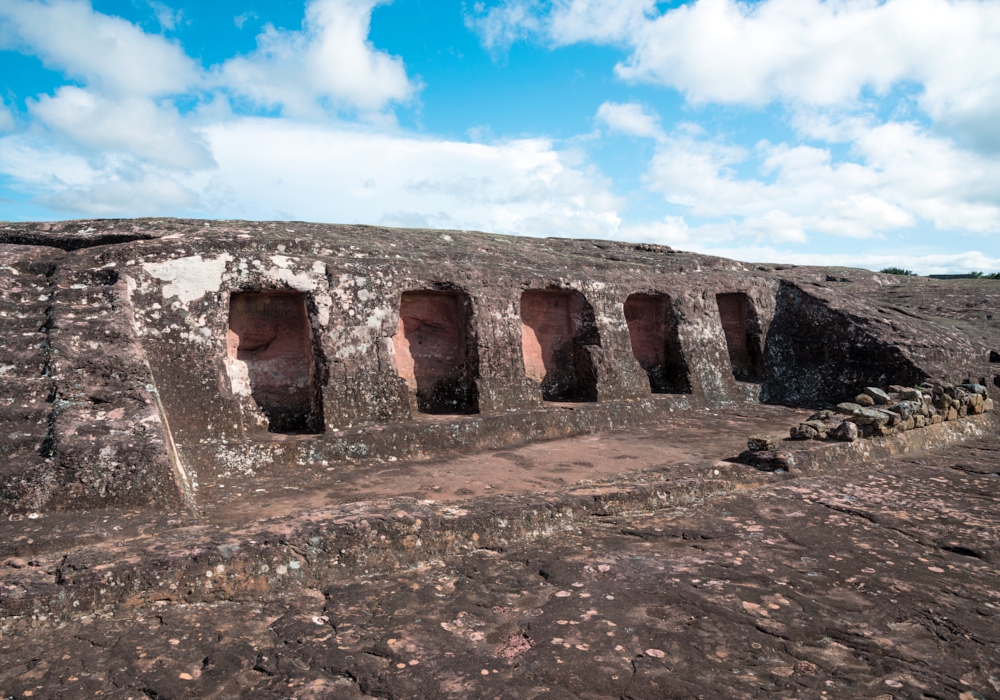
{"x": 876, "y": 582}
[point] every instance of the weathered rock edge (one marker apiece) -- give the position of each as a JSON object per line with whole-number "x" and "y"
{"x": 201, "y": 564}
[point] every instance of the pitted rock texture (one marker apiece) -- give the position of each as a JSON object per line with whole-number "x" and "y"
{"x": 123, "y": 387}
{"x": 879, "y": 583}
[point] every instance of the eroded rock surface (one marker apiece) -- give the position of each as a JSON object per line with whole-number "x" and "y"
{"x": 874, "y": 584}
{"x": 126, "y": 382}
{"x": 280, "y": 459}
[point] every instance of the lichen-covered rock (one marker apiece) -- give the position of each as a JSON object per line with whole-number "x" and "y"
{"x": 763, "y": 442}
{"x": 768, "y": 460}
{"x": 802, "y": 431}
{"x": 845, "y": 432}
{"x": 141, "y": 360}
{"x": 878, "y": 396}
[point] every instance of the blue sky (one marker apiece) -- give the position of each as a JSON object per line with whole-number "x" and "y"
{"x": 849, "y": 132}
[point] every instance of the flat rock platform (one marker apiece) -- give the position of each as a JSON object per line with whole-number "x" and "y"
{"x": 639, "y": 564}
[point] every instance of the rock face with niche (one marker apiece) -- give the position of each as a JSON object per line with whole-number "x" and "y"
{"x": 652, "y": 328}
{"x": 433, "y": 353}
{"x": 556, "y": 329}
{"x": 270, "y": 349}
{"x": 141, "y": 358}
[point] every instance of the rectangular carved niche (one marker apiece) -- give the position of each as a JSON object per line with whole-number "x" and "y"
{"x": 271, "y": 354}
{"x": 652, "y": 328}
{"x": 739, "y": 321}
{"x": 556, "y": 328}
{"x": 433, "y": 351}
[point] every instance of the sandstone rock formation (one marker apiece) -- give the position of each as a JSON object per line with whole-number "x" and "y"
{"x": 140, "y": 359}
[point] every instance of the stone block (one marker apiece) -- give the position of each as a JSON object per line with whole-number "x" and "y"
{"x": 803, "y": 432}
{"x": 880, "y": 397}
{"x": 768, "y": 460}
{"x": 845, "y": 432}
{"x": 763, "y": 442}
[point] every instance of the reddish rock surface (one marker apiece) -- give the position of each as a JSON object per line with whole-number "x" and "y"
{"x": 280, "y": 459}
{"x": 879, "y": 582}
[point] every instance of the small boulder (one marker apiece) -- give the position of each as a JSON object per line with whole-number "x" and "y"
{"x": 870, "y": 416}
{"x": 864, "y": 400}
{"x": 803, "y": 432}
{"x": 763, "y": 442}
{"x": 768, "y": 461}
{"x": 848, "y": 408}
{"x": 880, "y": 397}
{"x": 893, "y": 418}
{"x": 911, "y": 395}
{"x": 821, "y": 426}
{"x": 974, "y": 388}
{"x": 824, "y": 415}
{"x": 845, "y": 432}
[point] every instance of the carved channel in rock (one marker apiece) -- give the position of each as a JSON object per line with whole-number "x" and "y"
{"x": 652, "y": 328}
{"x": 742, "y": 328}
{"x": 435, "y": 353}
{"x": 269, "y": 335}
{"x": 557, "y": 327}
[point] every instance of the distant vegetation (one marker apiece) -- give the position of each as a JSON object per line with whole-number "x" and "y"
{"x": 910, "y": 273}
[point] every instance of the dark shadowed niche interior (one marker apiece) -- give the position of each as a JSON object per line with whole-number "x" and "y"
{"x": 556, "y": 329}
{"x": 434, "y": 353}
{"x": 270, "y": 333}
{"x": 742, "y": 328}
{"x": 652, "y": 328}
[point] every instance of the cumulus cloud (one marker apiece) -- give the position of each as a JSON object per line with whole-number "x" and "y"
{"x": 135, "y": 125}
{"x": 270, "y": 168}
{"x": 107, "y": 53}
{"x": 822, "y": 61}
{"x": 630, "y": 118}
{"x": 561, "y": 22}
{"x": 807, "y": 52}
{"x": 899, "y": 175}
{"x": 329, "y": 63}
{"x": 128, "y": 76}
{"x": 6, "y": 118}
{"x": 925, "y": 264}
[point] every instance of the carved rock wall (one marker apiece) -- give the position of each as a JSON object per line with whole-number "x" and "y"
{"x": 139, "y": 356}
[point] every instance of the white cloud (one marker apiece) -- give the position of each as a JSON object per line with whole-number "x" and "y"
{"x": 561, "y": 22}
{"x": 167, "y": 16}
{"x": 110, "y": 185}
{"x": 328, "y": 64}
{"x": 899, "y": 175}
{"x": 805, "y": 52}
{"x": 273, "y": 168}
{"x": 926, "y": 264}
{"x": 108, "y": 53}
{"x": 357, "y": 175}
{"x": 128, "y": 74}
{"x": 135, "y": 125}
{"x": 630, "y": 118}
{"x": 818, "y": 52}
{"x": 6, "y": 118}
